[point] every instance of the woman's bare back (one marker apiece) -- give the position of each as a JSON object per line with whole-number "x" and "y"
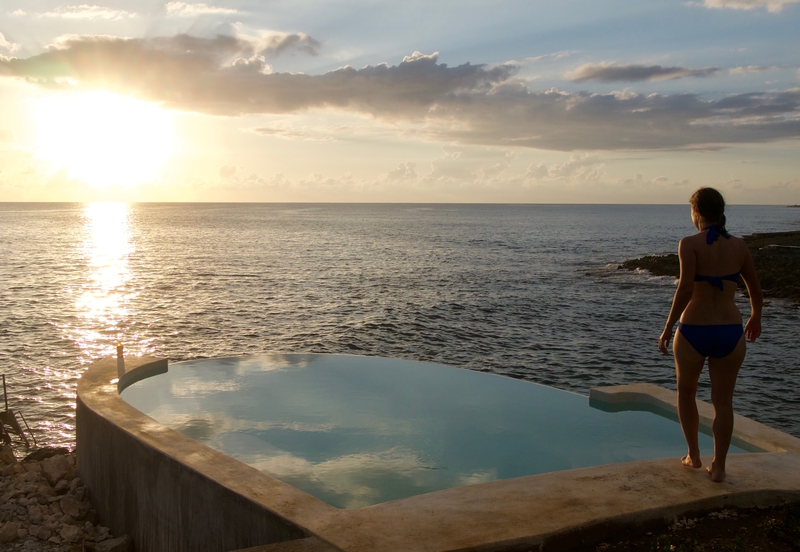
{"x": 724, "y": 257}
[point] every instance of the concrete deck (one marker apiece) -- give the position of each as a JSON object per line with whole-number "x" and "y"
{"x": 554, "y": 511}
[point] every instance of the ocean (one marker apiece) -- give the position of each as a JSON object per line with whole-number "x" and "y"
{"x": 528, "y": 291}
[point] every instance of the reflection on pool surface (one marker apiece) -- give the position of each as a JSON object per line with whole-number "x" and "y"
{"x": 355, "y": 431}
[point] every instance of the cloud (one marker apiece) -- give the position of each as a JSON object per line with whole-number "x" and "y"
{"x": 227, "y": 171}
{"x": 280, "y": 42}
{"x": 182, "y": 9}
{"x": 514, "y": 116}
{"x": 544, "y": 57}
{"x": 612, "y": 72}
{"x": 403, "y": 171}
{"x": 292, "y": 134}
{"x": 85, "y": 11}
{"x": 578, "y": 168}
{"x": 752, "y": 69}
{"x": 10, "y": 46}
{"x": 466, "y": 104}
{"x": 200, "y": 74}
{"x": 276, "y": 43}
{"x": 773, "y": 6}
{"x": 6, "y": 135}
{"x": 18, "y": 13}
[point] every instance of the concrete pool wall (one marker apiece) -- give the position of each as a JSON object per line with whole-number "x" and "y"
{"x": 170, "y": 492}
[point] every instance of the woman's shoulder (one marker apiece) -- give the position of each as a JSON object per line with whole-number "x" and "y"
{"x": 692, "y": 239}
{"x": 738, "y": 241}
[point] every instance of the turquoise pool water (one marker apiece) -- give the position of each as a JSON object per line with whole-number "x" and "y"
{"x": 355, "y": 431}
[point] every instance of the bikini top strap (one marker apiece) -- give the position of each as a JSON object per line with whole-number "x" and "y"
{"x": 714, "y": 234}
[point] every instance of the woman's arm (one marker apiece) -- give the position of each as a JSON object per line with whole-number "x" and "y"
{"x": 682, "y": 295}
{"x": 753, "y": 327}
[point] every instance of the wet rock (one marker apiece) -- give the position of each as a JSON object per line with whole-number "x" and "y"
{"x": 8, "y": 532}
{"x": 120, "y": 544}
{"x": 55, "y": 468}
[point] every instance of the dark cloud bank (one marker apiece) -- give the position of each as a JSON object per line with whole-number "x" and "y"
{"x": 467, "y": 103}
{"x": 611, "y": 72}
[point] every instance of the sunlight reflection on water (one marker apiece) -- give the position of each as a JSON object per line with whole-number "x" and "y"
{"x": 103, "y": 297}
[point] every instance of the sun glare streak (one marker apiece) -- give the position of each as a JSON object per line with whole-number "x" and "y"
{"x": 102, "y": 303}
{"x": 104, "y": 139}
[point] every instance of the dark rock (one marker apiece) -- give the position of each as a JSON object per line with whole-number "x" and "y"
{"x": 55, "y": 468}
{"x": 42, "y": 533}
{"x": 71, "y": 507}
{"x": 13, "y": 469}
{"x": 7, "y": 456}
{"x": 32, "y": 467}
{"x": 92, "y": 517}
{"x": 44, "y": 452}
{"x": 61, "y": 487}
{"x": 775, "y": 254}
{"x": 71, "y": 534}
{"x": 8, "y": 532}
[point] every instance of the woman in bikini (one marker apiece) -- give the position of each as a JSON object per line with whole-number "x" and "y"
{"x": 710, "y": 323}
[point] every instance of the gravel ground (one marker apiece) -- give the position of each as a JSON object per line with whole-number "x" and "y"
{"x": 44, "y": 506}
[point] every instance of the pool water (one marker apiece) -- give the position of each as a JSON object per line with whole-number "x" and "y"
{"x": 356, "y": 431}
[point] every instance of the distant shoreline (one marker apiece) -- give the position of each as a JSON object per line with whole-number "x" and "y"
{"x": 776, "y": 256}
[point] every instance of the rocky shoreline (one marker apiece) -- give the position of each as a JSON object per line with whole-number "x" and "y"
{"x": 44, "y": 506}
{"x": 776, "y": 256}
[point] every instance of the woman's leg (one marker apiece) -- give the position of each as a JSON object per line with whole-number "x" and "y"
{"x": 688, "y": 365}
{"x": 723, "y": 373}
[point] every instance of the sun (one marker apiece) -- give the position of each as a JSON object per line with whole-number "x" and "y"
{"x": 104, "y": 139}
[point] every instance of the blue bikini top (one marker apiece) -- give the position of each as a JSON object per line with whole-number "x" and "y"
{"x": 716, "y": 281}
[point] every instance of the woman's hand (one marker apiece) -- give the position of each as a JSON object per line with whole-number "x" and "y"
{"x": 752, "y": 329}
{"x": 663, "y": 341}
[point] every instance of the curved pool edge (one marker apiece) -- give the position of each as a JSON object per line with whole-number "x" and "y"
{"x": 170, "y": 492}
{"x": 748, "y": 434}
{"x": 166, "y": 490}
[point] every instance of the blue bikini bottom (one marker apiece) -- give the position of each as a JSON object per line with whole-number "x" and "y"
{"x": 715, "y": 341}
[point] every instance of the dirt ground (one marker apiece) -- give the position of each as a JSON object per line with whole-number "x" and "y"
{"x": 775, "y": 529}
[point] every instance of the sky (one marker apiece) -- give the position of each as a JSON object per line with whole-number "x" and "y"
{"x": 576, "y": 101}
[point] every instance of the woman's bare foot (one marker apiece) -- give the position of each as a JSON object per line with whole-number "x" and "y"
{"x": 717, "y": 474}
{"x": 692, "y": 461}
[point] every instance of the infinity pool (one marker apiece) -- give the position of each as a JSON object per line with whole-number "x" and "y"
{"x": 356, "y": 431}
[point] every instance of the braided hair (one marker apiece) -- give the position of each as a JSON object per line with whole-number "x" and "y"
{"x": 709, "y": 204}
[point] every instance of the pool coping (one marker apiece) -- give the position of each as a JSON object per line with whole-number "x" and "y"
{"x": 170, "y": 492}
